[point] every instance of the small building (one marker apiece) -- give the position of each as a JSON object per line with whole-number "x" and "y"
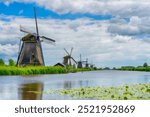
{"x": 60, "y": 65}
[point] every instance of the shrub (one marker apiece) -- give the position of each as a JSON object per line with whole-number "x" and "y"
{"x": 2, "y": 63}
{"x": 11, "y": 62}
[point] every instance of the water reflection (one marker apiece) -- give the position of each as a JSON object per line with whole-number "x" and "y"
{"x": 74, "y": 84}
{"x": 19, "y": 87}
{"x": 146, "y": 78}
{"x": 67, "y": 84}
{"x": 83, "y": 83}
{"x": 28, "y": 91}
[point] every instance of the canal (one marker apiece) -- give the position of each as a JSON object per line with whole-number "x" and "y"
{"x": 20, "y": 87}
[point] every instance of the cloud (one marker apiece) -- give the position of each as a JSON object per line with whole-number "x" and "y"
{"x": 135, "y": 27}
{"x": 121, "y": 8}
{"x": 91, "y": 38}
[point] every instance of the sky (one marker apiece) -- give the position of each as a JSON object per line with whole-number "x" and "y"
{"x": 110, "y": 33}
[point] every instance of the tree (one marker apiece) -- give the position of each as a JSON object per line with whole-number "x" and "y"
{"x": 11, "y": 62}
{"x": 145, "y": 65}
{"x": 2, "y": 62}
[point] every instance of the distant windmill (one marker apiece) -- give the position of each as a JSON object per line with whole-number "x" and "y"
{"x": 30, "y": 52}
{"x": 86, "y": 64}
{"x": 91, "y": 65}
{"x": 68, "y": 59}
{"x": 80, "y": 63}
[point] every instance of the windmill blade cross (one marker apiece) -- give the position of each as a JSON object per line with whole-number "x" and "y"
{"x": 66, "y": 51}
{"x": 71, "y": 51}
{"x": 25, "y": 31}
{"x": 74, "y": 60}
{"x": 49, "y": 39}
{"x": 37, "y": 30}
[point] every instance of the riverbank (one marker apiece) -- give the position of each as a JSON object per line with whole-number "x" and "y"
{"x": 132, "y": 68}
{"x": 126, "y": 92}
{"x": 36, "y": 70}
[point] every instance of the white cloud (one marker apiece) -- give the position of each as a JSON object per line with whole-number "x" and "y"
{"x": 122, "y": 8}
{"x": 136, "y": 26}
{"x": 88, "y": 37}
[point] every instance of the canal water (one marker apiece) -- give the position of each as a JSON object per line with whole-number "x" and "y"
{"x": 20, "y": 87}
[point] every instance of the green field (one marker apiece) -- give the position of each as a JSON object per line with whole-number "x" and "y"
{"x": 126, "y": 92}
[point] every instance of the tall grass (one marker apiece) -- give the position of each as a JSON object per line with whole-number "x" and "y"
{"x": 78, "y": 69}
{"x": 33, "y": 70}
{"x": 12, "y": 70}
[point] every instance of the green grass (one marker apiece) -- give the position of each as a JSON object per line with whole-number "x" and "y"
{"x": 126, "y": 92}
{"x": 135, "y": 68}
{"x": 79, "y": 69}
{"x": 12, "y": 70}
{"x": 35, "y": 70}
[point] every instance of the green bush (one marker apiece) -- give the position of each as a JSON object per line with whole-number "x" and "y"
{"x": 11, "y": 62}
{"x": 2, "y": 63}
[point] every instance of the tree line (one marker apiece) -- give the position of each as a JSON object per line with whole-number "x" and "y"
{"x": 11, "y": 62}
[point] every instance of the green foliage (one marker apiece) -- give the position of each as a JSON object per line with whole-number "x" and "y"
{"x": 127, "y": 92}
{"x": 140, "y": 68}
{"x": 31, "y": 70}
{"x": 73, "y": 70}
{"x": 145, "y": 65}
{"x": 2, "y": 63}
{"x": 11, "y": 62}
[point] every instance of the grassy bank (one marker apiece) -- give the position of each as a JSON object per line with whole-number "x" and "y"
{"x": 78, "y": 69}
{"x": 12, "y": 70}
{"x": 33, "y": 70}
{"x": 127, "y": 92}
{"x": 135, "y": 68}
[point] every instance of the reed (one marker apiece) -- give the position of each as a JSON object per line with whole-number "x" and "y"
{"x": 35, "y": 70}
{"x": 31, "y": 70}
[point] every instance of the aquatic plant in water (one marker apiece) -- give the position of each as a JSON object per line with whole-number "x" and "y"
{"x": 126, "y": 92}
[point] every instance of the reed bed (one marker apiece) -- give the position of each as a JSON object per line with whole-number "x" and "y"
{"x": 36, "y": 70}
{"x": 12, "y": 70}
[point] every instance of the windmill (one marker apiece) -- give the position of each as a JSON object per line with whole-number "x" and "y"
{"x": 80, "y": 63}
{"x": 86, "y": 63}
{"x": 30, "y": 52}
{"x": 68, "y": 59}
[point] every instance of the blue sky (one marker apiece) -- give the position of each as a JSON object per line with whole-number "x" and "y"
{"x": 26, "y": 10}
{"x": 109, "y": 33}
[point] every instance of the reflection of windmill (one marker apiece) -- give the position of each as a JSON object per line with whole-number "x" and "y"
{"x": 31, "y": 49}
{"x": 27, "y": 91}
{"x": 68, "y": 59}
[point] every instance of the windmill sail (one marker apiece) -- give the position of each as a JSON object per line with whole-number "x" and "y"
{"x": 68, "y": 59}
